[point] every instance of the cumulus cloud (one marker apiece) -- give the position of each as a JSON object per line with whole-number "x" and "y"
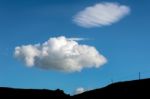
{"x": 60, "y": 53}
{"x": 79, "y": 90}
{"x": 101, "y": 14}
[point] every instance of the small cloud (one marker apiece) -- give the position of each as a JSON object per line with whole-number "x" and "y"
{"x": 60, "y": 53}
{"x": 77, "y": 39}
{"x": 79, "y": 90}
{"x": 101, "y": 14}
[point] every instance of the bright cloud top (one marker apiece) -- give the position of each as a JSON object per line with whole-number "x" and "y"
{"x": 60, "y": 53}
{"x": 101, "y": 14}
{"x": 79, "y": 90}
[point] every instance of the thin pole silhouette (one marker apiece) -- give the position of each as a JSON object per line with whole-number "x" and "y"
{"x": 139, "y": 76}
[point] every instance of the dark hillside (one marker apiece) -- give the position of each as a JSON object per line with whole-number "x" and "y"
{"x": 136, "y": 88}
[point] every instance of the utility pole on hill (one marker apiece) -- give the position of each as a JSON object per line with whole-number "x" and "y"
{"x": 139, "y": 76}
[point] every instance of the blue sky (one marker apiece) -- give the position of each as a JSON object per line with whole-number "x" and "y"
{"x": 125, "y": 43}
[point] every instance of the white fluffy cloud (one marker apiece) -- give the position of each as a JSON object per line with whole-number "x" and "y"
{"x": 101, "y": 14}
{"x": 79, "y": 90}
{"x": 60, "y": 53}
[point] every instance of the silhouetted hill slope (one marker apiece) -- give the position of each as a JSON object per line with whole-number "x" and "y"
{"x": 37, "y": 93}
{"x": 136, "y": 88}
